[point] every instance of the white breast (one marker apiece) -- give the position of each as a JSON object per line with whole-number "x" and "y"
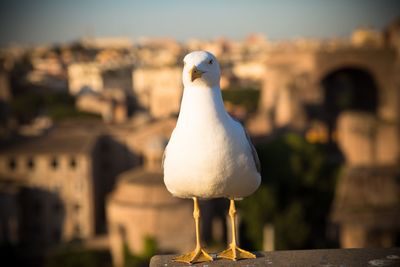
{"x": 208, "y": 155}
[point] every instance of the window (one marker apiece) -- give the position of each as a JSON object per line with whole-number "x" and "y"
{"x": 77, "y": 208}
{"x": 12, "y": 164}
{"x": 54, "y": 163}
{"x": 72, "y": 162}
{"x": 30, "y": 163}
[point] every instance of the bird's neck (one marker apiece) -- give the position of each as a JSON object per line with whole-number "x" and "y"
{"x": 202, "y": 104}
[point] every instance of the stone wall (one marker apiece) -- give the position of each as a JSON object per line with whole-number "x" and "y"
{"x": 154, "y": 87}
{"x": 64, "y": 176}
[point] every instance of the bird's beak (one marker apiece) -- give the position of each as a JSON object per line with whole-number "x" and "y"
{"x": 195, "y": 73}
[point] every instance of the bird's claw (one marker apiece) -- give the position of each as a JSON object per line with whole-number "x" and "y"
{"x": 235, "y": 253}
{"x": 197, "y": 255}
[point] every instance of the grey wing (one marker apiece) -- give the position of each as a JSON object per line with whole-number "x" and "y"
{"x": 163, "y": 157}
{"x": 253, "y": 149}
{"x": 253, "y": 152}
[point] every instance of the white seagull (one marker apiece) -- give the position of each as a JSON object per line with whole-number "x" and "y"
{"x": 209, "y": 154}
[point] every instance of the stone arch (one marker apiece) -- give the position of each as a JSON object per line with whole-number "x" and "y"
{"x": 326, "y": 68}
{"x": 380, "y": 65}
{"x": 349, "y": 87}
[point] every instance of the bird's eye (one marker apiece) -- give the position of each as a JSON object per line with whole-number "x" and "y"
{"x": 211, "y": 61}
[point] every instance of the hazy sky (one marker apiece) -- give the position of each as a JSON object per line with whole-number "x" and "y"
{"x": 44, "y": 21}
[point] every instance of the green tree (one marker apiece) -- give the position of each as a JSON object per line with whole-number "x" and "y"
{"x": 76, "y": 256}
{"x": 246, "y": 97}
{"x": 142, "y": 258}
{"x": 57, "y": 106}
{"x": 295, "y": 195}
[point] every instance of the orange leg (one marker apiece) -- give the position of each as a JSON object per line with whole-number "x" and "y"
{"x": 234, "y": 252}
{"x": 198, "y": 254}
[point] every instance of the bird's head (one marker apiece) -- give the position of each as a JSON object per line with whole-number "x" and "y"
{"x": 201, "y": 68}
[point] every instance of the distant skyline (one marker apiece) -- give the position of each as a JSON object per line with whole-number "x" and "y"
{"x": 46, "y": 21}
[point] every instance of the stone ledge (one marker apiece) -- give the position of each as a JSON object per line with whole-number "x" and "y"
{"x": 297, "y": 258}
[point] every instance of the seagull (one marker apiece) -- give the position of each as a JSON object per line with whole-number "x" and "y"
{"x": 209, "y": 154}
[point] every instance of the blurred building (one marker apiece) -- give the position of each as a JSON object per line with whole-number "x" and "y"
{"x": 367, "y": 203}
{"x": 318, "y": 82}
{"x": 5, "y": 109}
{"x": 102, "y": 88}
{"x": 312, "y": 88}
{"x": 392, "y": 34}
{"x": 54, "y": 186}
{"x": 365, "y": 37}
{"x": 158, "y": 90}
{"x": 100, "y": 77}
{"x": 140, "y": 207}
{"x": 252, "y": 72}
{"x": 5, "y": 90}
{"x": 159, "y": 52}
{"x": 9, "y": 214}
{"x": 218, "y": 47}
{"x": 100, "y": 43}
{"x": 112, "y": 105}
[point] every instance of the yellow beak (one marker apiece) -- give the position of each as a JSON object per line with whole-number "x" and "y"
{"x": 195, "y": 73}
